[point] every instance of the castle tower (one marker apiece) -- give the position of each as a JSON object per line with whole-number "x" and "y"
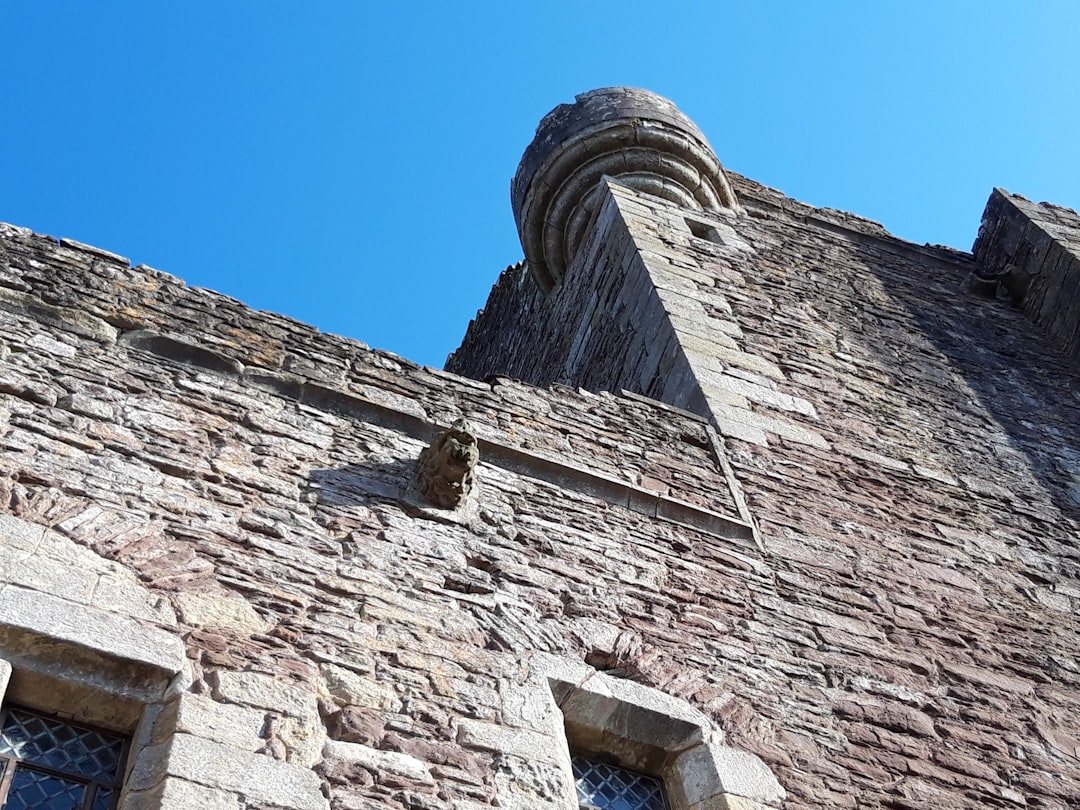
{"x": 626, "y": 216}
{"x": 632, "y": 136}
{"x": 901, "y": 421}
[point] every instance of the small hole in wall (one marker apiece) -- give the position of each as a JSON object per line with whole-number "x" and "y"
{"x": 703, "y": 231}
{"x": 353, "y": 724}
{"x": 613, "y": 665}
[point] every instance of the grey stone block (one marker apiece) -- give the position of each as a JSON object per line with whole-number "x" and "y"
{"x": 507, "y": 740}
{"x": 708, "y": 770}
{"x": 49, "y": 619}
{"x": 179, "y": 794}
{"x": 349, "y": 688}
{"x": 222, "y": 612}
{"x": 17, "y": 533}
{"x": 223, "y": 768}
{"x": 378, "y": 761}
{"x": 264, "y": 692}
{"x": 47, "y": 575}
{"x": 120, "y": 592}
{"x": 235, "y": 726}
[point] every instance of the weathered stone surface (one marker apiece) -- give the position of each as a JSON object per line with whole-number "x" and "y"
{"x": 172, "y": 793}
{"x": 222, "y": 612}
{"x": 737, "y": 803}
{"x": 1031, "y": 254}
{"x": 710, "y": 770}
{"x": 236, "y": 726}
{"x": 355, "y": 724}
{"x": 349, "y": 688}
{"x": 904, "y": 635}
{"x": 517, "y": 742}
{"x": 446, "y": 467}
{"x": 263, "y": 691}
{"x": 223, "y": 768}
{"x": 48, "y": 562}
{"x": 896, "y": 465}
{"x": 378, "y": 761}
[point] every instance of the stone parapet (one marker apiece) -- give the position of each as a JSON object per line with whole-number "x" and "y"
{"x": 1031, "y": 253}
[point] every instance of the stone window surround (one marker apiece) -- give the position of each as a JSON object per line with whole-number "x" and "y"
{"x": 166, "y": 769}
{"x": 647, "y": 730}
{"x": 54, "y": 674}
{"x": 125, "y": 670}
{"x": 60, "y": 653}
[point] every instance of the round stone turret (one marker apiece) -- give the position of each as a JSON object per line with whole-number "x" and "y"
{"x": 637, "y": 138}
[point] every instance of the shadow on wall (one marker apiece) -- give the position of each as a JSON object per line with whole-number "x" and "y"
{"x": 357, "y": 484}
{"x": 396, "y": 481}
{"x": 1029, "y": 391}
{"x": 986, "y": 387}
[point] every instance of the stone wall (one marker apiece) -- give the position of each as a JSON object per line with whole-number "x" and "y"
{"x": 907, "y": 449}
{"x": 850, "y": 580}
{"x": 608, "y": 330}
{"x": 342, "y": 642}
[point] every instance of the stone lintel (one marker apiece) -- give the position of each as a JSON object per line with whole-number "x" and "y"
{"x": 41, "y": 630}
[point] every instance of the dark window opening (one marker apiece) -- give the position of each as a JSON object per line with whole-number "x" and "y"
{"x": 607, "y": 787}
{"x": 50, "y": 764}
{"x": 703, "y": 231}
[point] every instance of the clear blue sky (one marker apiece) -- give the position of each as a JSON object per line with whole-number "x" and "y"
{"x": 348, "y": 163}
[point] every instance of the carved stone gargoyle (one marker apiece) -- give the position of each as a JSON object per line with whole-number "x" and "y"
{"x": 444, "y": 470}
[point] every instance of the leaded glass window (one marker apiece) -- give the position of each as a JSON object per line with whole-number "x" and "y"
{"x": 48, "y": 764}
{"x": 607, "y": 787}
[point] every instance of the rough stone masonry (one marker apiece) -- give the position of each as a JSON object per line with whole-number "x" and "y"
{"x": 783, "y": 510}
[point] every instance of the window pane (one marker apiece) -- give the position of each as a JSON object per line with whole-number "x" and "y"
{"x": 45, "y": 741}
{"x": 103, "y": 799}
{"x": 606, "y": 787}
{"x": 33, "y": 790}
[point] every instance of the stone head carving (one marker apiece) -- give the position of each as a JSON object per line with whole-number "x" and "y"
{"x": 445, "y": 469}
